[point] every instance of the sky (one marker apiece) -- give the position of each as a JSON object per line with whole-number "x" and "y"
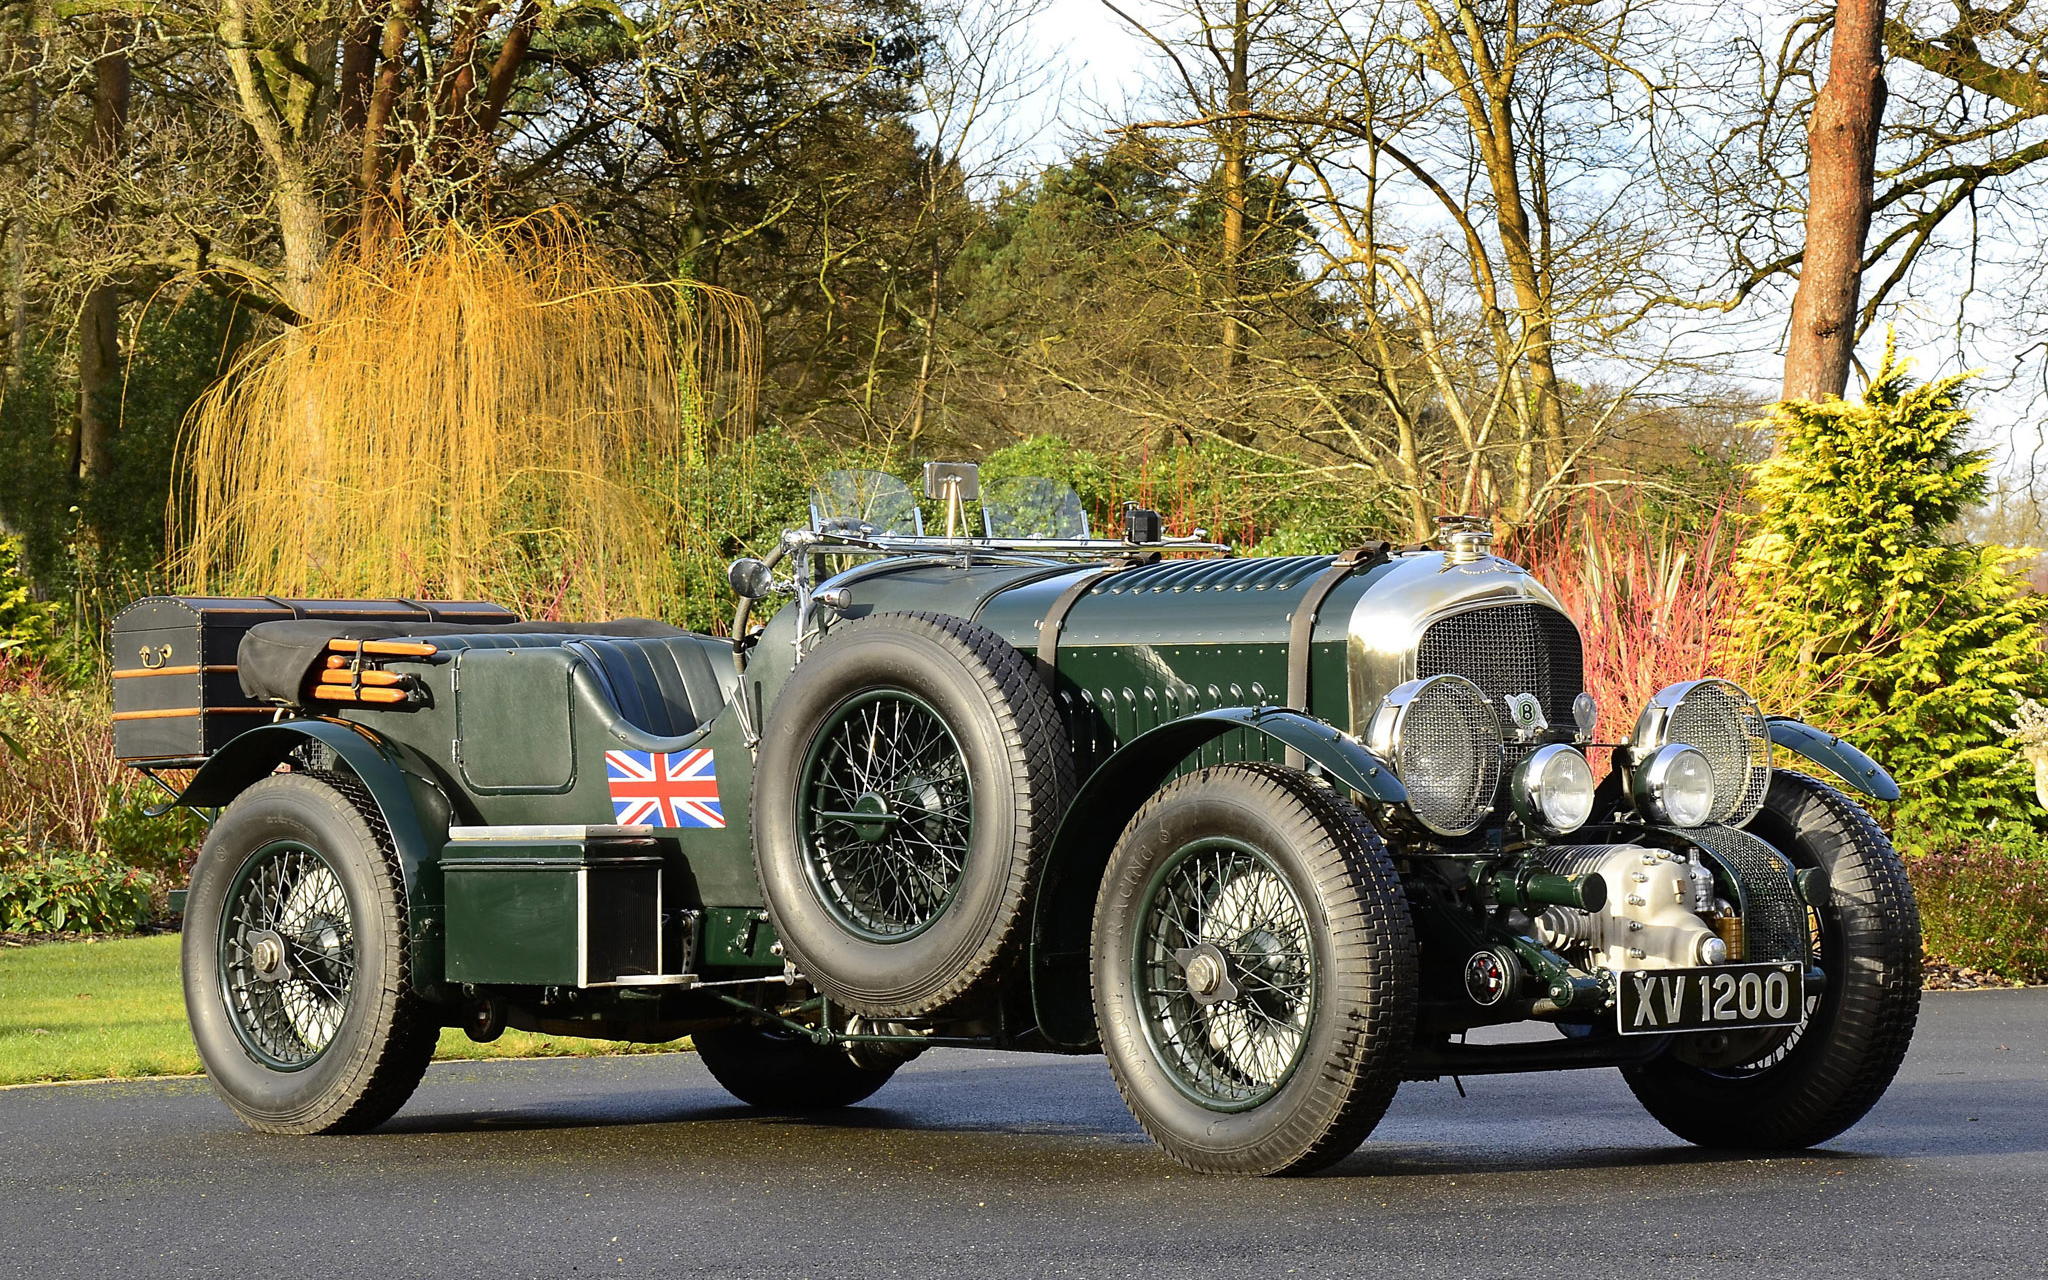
{"x": 1099, "y": 60}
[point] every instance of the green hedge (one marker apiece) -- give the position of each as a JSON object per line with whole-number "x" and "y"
{"x": 1984, "y": 903}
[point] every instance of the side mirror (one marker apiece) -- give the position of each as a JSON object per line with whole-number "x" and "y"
{"x": 751, "y": 579}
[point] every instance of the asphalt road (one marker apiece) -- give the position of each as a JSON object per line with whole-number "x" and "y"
{"x": 974, "y": 1164}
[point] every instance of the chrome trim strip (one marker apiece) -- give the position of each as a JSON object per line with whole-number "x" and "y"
{"x": 461, "y": 835}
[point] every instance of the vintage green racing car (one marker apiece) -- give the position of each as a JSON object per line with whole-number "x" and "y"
{"x": 1271, "y": 834}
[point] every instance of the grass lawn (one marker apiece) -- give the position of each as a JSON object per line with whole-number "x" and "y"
{"x": 90, "y": 1010}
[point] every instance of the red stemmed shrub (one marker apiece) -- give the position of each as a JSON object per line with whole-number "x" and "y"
{"x": 1650, "y": 592}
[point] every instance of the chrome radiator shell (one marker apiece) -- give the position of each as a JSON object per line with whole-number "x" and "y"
{"x": 1420, "y": 590}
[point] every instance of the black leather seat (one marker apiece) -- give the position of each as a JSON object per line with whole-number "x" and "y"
{"x": 668, "y": 686}
{"x": 664, "y": 686}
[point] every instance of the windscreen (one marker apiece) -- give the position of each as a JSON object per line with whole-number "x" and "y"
{"x": 1031, "y": 507}
{"x": 864, "y": 502}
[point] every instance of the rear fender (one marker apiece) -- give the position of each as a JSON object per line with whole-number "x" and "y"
{"x": 392, "y": 774}
{"x": 1064, "y": 917}
{"x": 1837, "y": 756}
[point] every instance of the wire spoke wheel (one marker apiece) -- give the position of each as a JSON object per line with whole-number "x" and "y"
{"x": 1757, "y": 1053}
{"x": 1254, "y": 970}
{"x": 886, "y": 814}
{"x": 911, "y": 774}
{"x": 1225, "y": 973}
{"x": 287, "y": 955}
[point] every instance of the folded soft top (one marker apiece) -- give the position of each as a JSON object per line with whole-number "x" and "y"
{"x": 277, "y": 659}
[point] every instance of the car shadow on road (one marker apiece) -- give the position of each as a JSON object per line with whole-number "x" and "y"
{"x": 1917, "y": 1119}
{"x": 696, "y": 1110}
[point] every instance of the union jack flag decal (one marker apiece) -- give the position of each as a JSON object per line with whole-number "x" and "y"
{"x": 660, "y": 789}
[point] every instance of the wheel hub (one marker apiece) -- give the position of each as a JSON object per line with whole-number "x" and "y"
{"x": 287, "y": 954}
{"x": 879, "y": 818}
{"x": 887, "y": 811}
{"x": 1207, "y": 973}
{"x": 267, "y": 956}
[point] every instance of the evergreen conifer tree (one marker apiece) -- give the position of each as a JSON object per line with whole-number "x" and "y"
{"x": 1866, "y": 611}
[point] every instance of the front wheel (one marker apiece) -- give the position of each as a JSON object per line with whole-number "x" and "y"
{"x": 295, "y": 961}
{"x": 1255, "y": 971}
{"x": 1807, "y": 1085}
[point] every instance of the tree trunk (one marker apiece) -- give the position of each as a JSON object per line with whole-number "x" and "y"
{"x": 1842, "y": 143}
{"x": 1237, "y": 102}
{"x": 302, "y": 228}
{"x": 931, "y": 336}
{"x": 99, "y": 370}
{"x": 301, "y": 213}
{"x": 16, "y": 303}
{"x": 99, "y": 319}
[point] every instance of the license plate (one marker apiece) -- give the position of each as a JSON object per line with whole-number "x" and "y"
{"x": 1719, "y": 998}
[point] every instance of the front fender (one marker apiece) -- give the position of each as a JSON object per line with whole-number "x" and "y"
{"x": 383, "y": 769}
{"x": 1837, "y": 756}
{"x": 1105, "y": 804}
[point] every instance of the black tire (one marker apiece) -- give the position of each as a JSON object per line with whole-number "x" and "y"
{"x": 1196, "y": 1075}
{"x": 905, "y": 916}
{"x": 333, "y": 1040}
{"x": 1811, "y": 1084}
{"x": 782, "y": 1071}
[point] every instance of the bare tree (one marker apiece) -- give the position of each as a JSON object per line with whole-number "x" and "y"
{"x": 1221, "y": 55}
{"x": 1473, "y": 214}
{"x": 1904, "y": 179}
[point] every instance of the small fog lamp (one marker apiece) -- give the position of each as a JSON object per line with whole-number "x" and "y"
{"x": 1553, "y": 789}
{"x": 1674, "y": 787}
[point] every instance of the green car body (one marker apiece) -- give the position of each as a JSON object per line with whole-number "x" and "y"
{"x": 495, "y": 781}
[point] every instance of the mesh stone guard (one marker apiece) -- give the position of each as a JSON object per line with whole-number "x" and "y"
{"x": 1773, "y": 916}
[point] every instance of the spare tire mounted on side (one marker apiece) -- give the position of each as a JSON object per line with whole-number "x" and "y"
{"x": 911, "y": 775}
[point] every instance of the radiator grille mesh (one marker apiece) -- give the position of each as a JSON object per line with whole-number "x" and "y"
{"x": 1725, "y": 725}
{"x": 1506, "y": 649}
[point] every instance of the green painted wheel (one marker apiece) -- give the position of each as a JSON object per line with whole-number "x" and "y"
{"x": 297, "y": 960}
{"x": 1254, "y": 970}
{"x": 1225, "y": 973}
{"x": 287, "y": 950}
{"x": 1781, "y": 1091}
{"x": 887, "y": 814}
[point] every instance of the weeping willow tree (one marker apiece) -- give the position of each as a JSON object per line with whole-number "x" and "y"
{"x": 467, "y": 413}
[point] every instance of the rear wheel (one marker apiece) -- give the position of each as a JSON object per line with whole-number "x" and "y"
{"x": 1255, "y": 971}
{"x": 1806, "y": 1085}
{"x": 777, "y": 1069}
{"x": 295, "y": 961}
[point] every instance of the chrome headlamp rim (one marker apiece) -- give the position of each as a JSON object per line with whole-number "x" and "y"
{"x": 1650, "y": 786}
{"x": 1385, "y": 738}
{"x": 1739, "y": 785}
{"x": 1533, "y": 795}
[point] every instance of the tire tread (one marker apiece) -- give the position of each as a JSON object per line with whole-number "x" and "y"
{"x": 1035, "y": 741}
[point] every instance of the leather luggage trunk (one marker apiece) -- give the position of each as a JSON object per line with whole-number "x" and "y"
{"x": 177, "y": 694}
